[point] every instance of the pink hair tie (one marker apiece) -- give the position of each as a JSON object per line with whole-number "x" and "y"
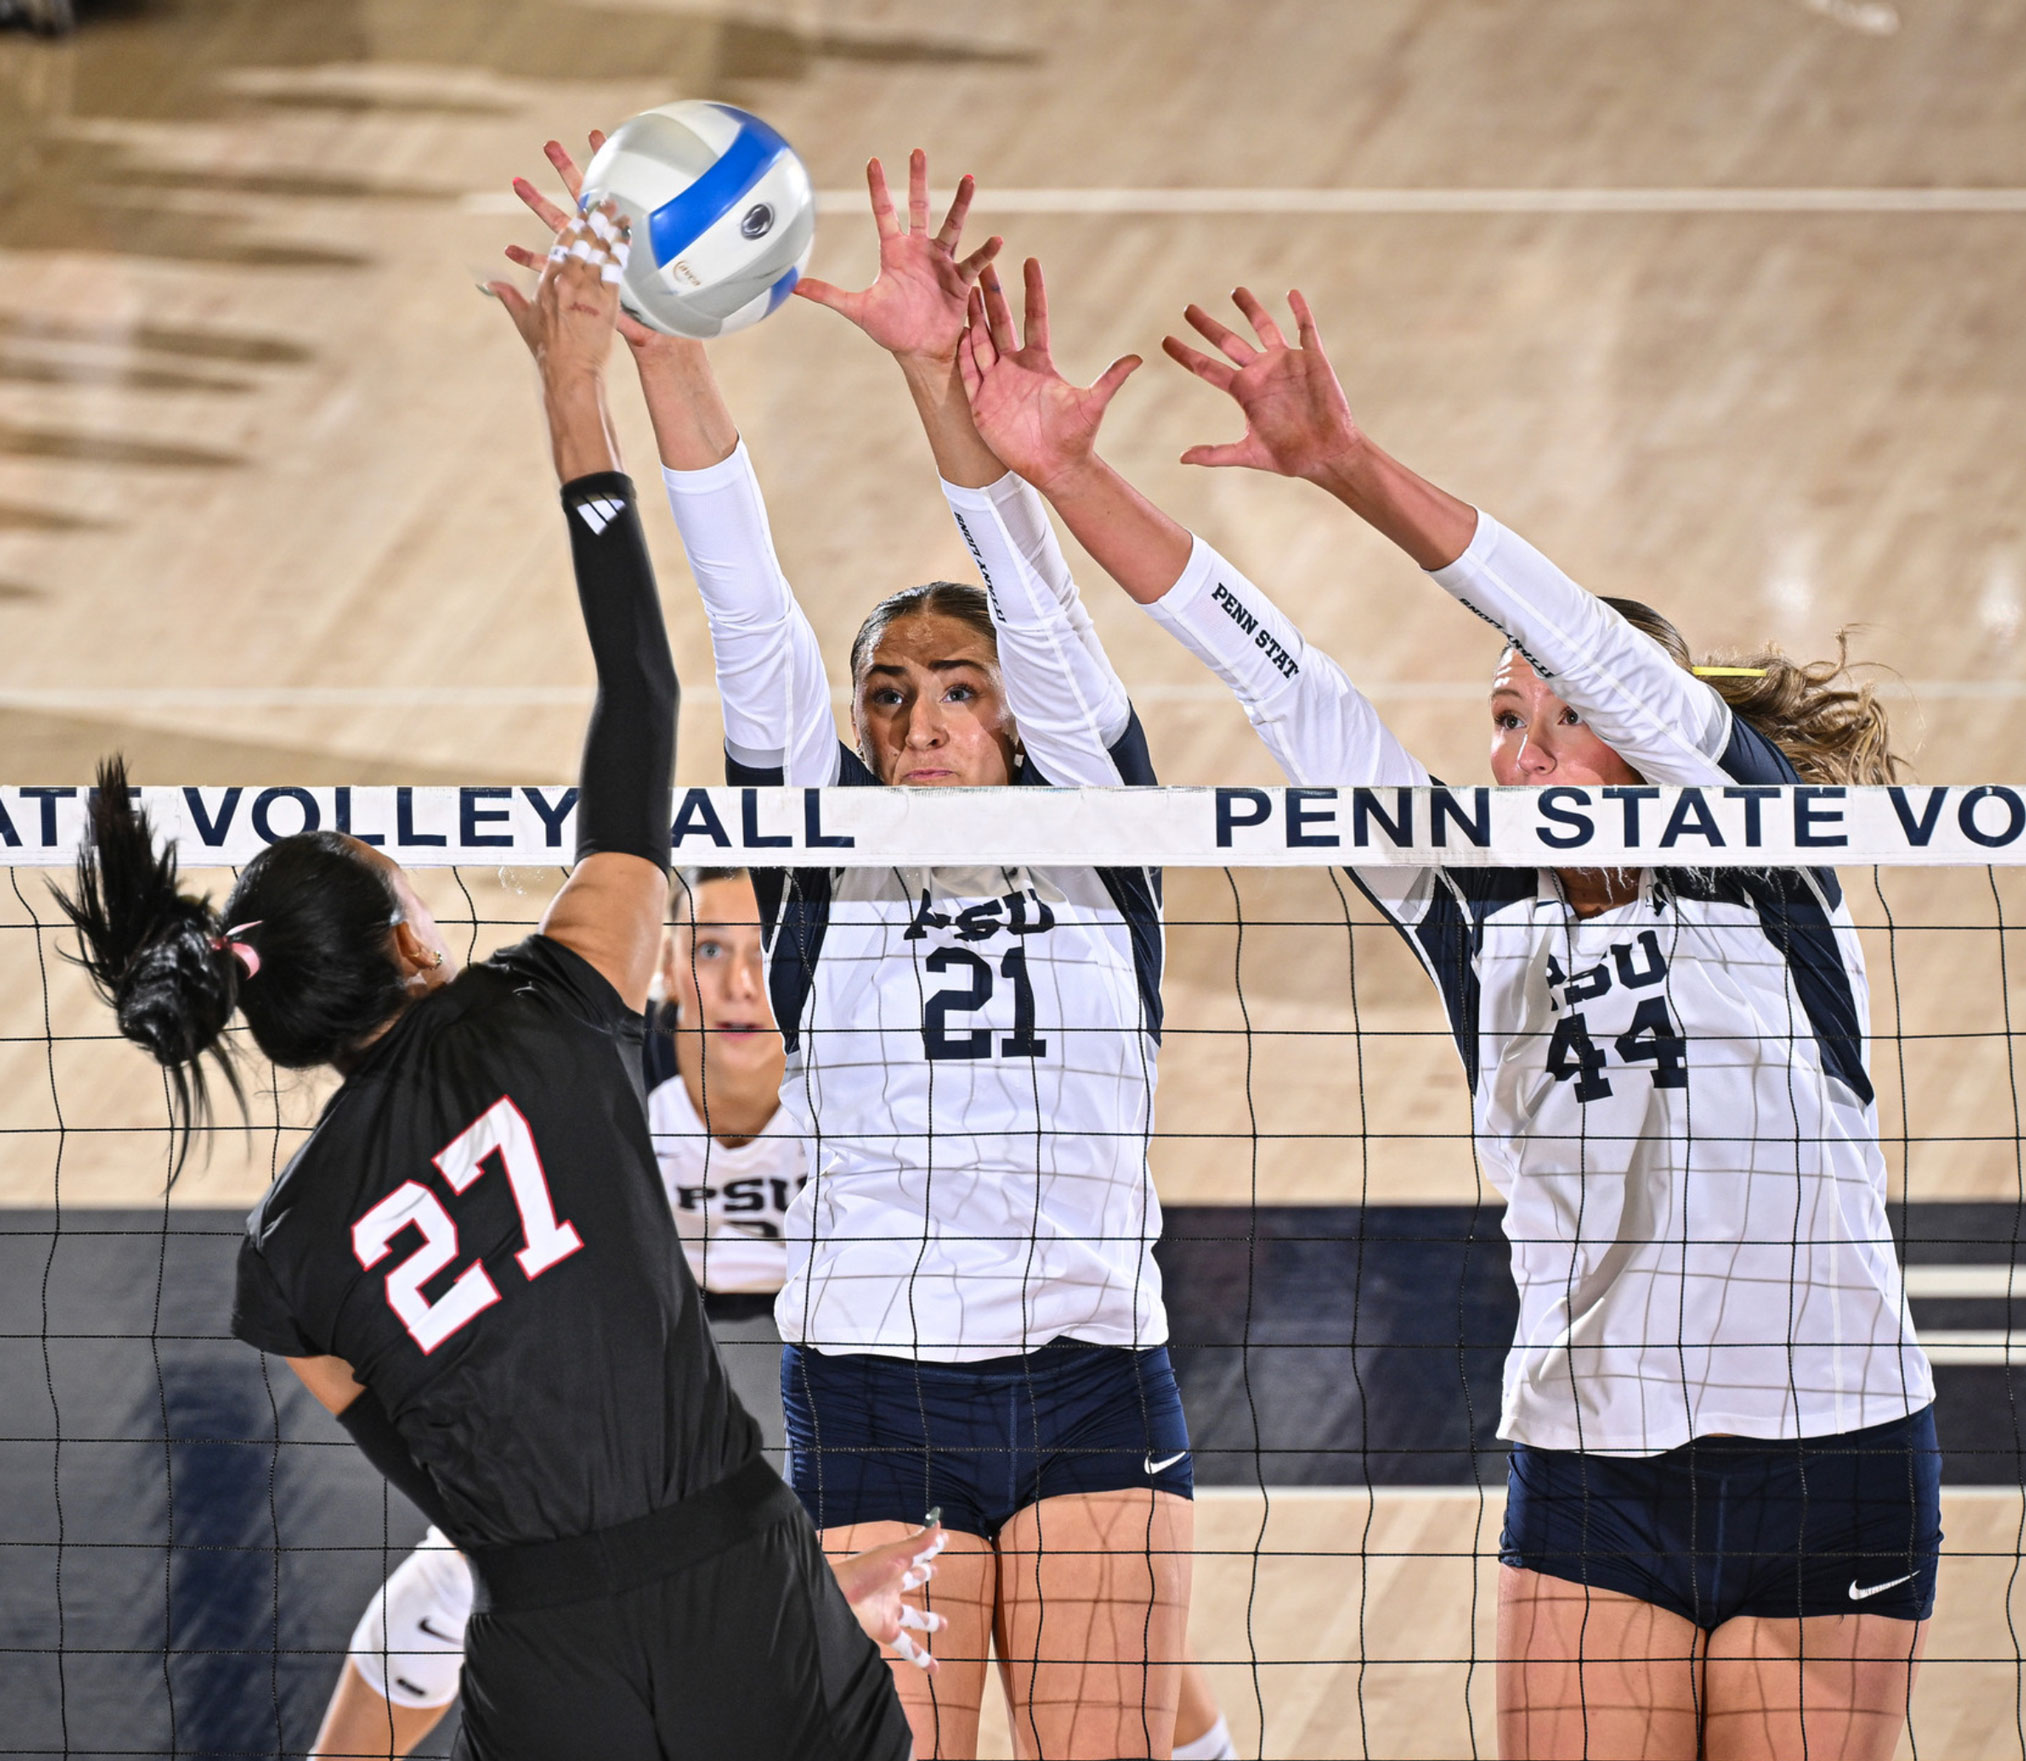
{"x": 240, "y": 951}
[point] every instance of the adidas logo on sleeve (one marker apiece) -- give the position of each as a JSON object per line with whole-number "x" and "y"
{"x": 600, "y": 513}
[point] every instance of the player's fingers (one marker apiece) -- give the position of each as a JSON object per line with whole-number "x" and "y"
{"x": 510, "y": 297}
{"x": 838, "y": 299}
{"x": 526, "y": 258}
{"x": 998, "y": 315}
{"x": 882, "y": 200}
{"x": 933, "y": 1540}
{"x": 1304, "y": 321}
{"x": 960, "y": 206}
{"x": 566, "y": 168}
{"x": 1107, "y": 386}
{"x": 1233, "y": 452}
{"x": 906, "y": 1647}
{"x": 597, "y": 139}
{"x": 921, "y": 1620}
{"x": 918, "y": 192}
{"x": 1227, "y": 339}
{"x": 1037, "y": 304}
{"x": 974, "y": 265}
{"x": 1263, "y": 325}
{"x": 544, "y": 210}
{"x": 1205, "y": 367}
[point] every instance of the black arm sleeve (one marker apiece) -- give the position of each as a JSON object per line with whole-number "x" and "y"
{"x": 368, "y": 1425}
{"x": 628, "y": 771}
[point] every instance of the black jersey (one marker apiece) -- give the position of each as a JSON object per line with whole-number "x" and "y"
{"x": 478, "y": 1228}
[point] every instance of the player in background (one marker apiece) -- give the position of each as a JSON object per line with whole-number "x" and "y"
{"x": 471, "y": 1262}
{"x": 712, "y": 1053}
{"x": 1723, "y": 1513}
{"x": 732, "y": 1158}
{"x": 972, "y": 1306}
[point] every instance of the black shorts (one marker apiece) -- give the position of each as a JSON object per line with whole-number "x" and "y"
{"x": 1740, "y": 1526}
{"x": 888, "y": 1439}
{"x": 713, "y": 1630}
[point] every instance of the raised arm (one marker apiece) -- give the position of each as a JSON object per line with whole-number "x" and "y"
{"x": 610, "y": 909}
{"x": 1066, "y": 699}
{"x": 1662, "y": 720}
{"x": 775, "y": 695}
{"x": 1318, "y": 726}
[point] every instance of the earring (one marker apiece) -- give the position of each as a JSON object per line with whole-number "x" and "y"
{"x": 438, "y": 961}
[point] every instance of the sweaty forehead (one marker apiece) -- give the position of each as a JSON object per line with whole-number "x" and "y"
{"x": 1515, "y": 673}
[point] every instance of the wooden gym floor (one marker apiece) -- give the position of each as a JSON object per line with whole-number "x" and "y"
{"x": 274, "y": 504}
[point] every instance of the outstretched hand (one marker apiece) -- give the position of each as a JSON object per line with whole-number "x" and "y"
{"x": 568, "y": 323}
{"x": 1038, "y": 423}
{"x": 1297, "y": 420}
{"x": 556, "y": 219}
{"x": 915, "y": 305}
{"x": 876, "y": 1583}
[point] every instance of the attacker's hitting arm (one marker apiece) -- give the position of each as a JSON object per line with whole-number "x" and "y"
{"x": 610, "y": 909}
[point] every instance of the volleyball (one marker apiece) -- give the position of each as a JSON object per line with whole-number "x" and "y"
{"x": 722, "y": 214}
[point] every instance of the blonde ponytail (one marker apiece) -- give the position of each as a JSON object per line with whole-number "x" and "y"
{"x": 1830, "y": 725}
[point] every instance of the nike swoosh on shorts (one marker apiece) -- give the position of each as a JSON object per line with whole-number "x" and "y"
{"x": 423, "y": 1623}
{"x": 1162, "y": 1466}
{"x": 1857, "y": 1595}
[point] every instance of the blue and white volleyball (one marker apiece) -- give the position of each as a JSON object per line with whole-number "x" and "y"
{"x": 722, "y": 212}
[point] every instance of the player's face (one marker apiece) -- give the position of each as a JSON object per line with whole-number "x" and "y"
{"x": 712, "y": 972}
{"x": 1537, "y": 738}
{"x": 424, "y": 938}
{"x": 930, "y": 710}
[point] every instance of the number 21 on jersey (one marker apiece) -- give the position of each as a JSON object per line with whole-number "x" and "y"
{"x": 499, "y": 1131}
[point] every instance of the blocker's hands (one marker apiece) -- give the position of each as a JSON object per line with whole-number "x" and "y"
{"x": 1297, "y": 420}
{"x": 557, "y": 220}
{"x": 1037, "y": 422}
{"x": 876, "y": 1581}
{"x": 915, "y": 305}
{"x": 568, "y": 323}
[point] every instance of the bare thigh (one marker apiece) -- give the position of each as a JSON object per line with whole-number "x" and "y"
{"x": 1093, "y": 1617}
{"x": 359, "y": 1723}
{"x": 942, "y": 1709}
{"x": 1593, "y": 1673}
{"x": 1836, "y": 1684}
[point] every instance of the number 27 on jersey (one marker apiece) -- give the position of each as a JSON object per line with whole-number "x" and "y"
{"x": 500, "y": 1131}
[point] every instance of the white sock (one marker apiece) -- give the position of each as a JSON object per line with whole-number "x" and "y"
{"x": 1213, "y": 1745}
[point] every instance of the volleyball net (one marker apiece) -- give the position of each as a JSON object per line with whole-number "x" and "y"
{"x": 187, "y": 1540}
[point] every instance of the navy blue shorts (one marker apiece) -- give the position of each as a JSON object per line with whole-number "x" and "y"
{"x": 1731, "y": 1526}
{"x": 888, "y": 1439}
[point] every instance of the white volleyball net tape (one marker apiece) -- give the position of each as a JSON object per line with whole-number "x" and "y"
{"x": 188, "y": 1540}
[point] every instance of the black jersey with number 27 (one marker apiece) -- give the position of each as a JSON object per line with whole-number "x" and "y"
{"x": 478, "y": 1228}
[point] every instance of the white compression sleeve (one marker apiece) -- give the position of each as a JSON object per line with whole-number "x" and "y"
{"x": 1066, "y": 699}
{"x": 1319, "y": 726}
{"x": 1025, "y": 517}
{"x": 1662, "y": 720}
{"x": 776, "y": 697}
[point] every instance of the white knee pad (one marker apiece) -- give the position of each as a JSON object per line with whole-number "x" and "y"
{"x": 409, "y": 1644}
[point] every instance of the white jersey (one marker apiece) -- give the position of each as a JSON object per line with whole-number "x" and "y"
{"x": 970, "y": 1051}
{"x": 730, "y": 1205}
{"x": 1672, "y": 1096}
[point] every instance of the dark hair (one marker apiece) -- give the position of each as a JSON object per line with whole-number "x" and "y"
{"x": 691, "y": 881}
{"x": 1830, "y": 731}
{"x": 950, "y": 599}
{"x": 317, "y": 918}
